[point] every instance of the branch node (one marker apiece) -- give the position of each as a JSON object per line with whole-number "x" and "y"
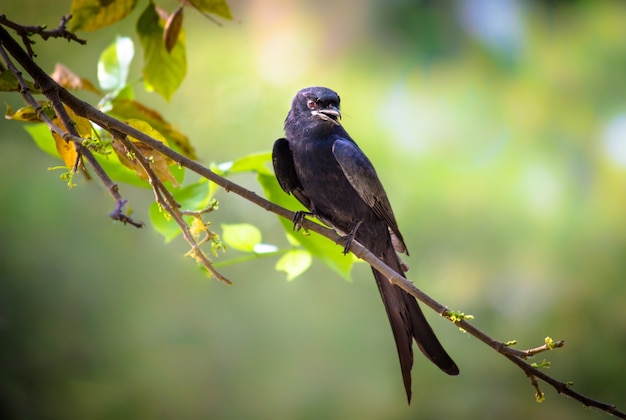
{"x": 119, "y": 215}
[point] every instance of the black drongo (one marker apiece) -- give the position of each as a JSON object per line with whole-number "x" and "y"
{"x": 326, "y": 171}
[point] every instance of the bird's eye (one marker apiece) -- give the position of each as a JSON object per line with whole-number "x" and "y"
{"x": 311, "y": 104}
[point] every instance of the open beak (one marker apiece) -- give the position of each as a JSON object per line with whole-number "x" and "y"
{"x": 329, "y": 114}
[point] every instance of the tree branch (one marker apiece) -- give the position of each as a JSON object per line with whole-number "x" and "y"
{"x": 58, "y": 94}
{"x": 167, "y": 202}
{"x": 26, "y": 31}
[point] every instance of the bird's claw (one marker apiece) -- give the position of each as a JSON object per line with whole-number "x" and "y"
{"x": 298, "y": 217}
{"x": 347, "y": 239}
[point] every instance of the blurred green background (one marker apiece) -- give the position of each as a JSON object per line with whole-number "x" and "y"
{"x": 499, "y": 131}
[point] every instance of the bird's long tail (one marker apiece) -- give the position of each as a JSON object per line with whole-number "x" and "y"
{"x": 408, "y": 323}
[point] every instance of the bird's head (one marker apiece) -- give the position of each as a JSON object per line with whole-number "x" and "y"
{"x": 318, "y": 103}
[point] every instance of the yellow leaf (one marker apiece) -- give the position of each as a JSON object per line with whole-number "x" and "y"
{"x": 129, "y": 109}
{"x": 158, "y": 162}
{"x": 28, "y": 113}
{"x": 89, "y": 15}
{"x": 66, "y": 149}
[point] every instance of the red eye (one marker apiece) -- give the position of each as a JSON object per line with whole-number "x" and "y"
{"x": 311, "y": 104}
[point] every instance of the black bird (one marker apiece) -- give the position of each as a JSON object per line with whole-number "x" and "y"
{"x": 320, "y": 164}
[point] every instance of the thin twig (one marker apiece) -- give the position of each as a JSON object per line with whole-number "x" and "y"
{"x": 167, "y": 202}
{"x": 525, "y": 354}
{"x": 119, "y": 215}
{"x": 565, "y": 388}
{"x": 26, "y": 31}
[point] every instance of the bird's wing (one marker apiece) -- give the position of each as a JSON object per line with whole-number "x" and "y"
{"x": 362, "y": 176}
{"x": 285, "y": 171}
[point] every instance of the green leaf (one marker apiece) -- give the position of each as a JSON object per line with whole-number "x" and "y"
{"x": 127, "y": 93}
{"x": 256, "y": 162}
{"x": 163, "y": 223}
{"x": 243, "y": 237}
{"x": 9, "y": 83}
{"x": 320, "y": 247}
{"x": 195, "y": 196}
{"x": 294, "y": 263}
{"x": 163, "y": 71}
{"x": 89, "y": 15}
{"x": 216, "y": 7}
{"x": 114, "y": 63}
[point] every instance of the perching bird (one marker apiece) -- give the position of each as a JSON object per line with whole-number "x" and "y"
{"x": 320, "y": 164}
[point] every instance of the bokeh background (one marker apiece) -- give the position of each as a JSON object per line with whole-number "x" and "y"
{"x": 499, "y": 131}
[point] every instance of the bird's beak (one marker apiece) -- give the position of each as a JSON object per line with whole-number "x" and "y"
{"x": 328, "y": 114}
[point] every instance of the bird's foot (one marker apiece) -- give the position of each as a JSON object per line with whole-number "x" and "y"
{"x": 347, "y": 240}
{"x": 298, "y": 217}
